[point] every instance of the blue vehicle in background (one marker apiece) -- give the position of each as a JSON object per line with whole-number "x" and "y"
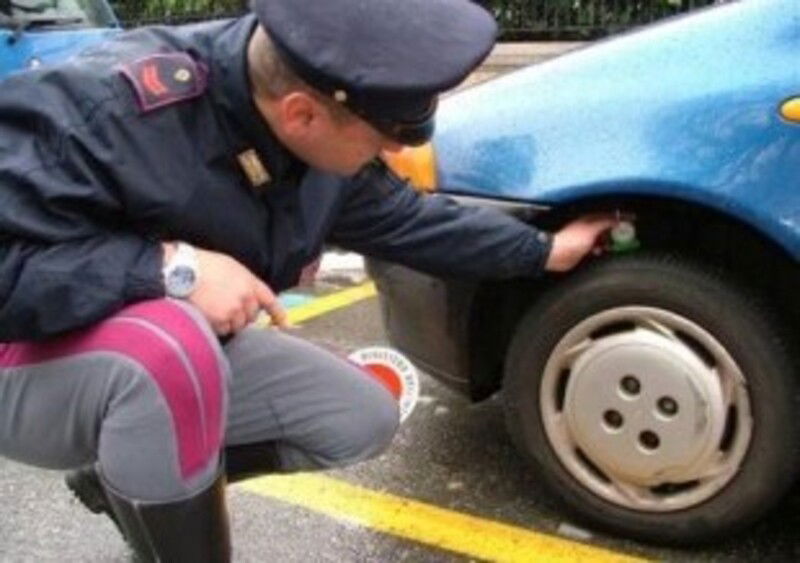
{"x": 655, "y": 390}
{"x": 37, "y": 32}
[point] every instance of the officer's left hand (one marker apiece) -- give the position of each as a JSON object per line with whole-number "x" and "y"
{"x": 577, "y": 239}
{"x": 230, "y": 296}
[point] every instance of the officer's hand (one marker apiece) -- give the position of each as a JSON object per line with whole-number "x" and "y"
{"x": 231, "y": 296}
{"x": 575, "y": 240}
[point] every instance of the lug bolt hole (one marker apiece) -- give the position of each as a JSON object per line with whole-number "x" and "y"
{"x": 649, "y": 440}
{"x": 613, "y": 418}
{"x": 668, "y": 406}
{"x": 631, "y": 385}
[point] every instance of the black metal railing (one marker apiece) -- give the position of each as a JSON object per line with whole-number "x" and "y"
{"x": 518, "y": 19}
{"x": 133, "y": 13}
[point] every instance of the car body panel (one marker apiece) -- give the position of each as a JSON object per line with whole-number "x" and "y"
{"x": 62, "y": 29}
{"x": 686, "y": 109}
{"x": 45, "y": 47}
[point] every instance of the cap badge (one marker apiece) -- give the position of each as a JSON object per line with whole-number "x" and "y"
{"x": 340, "y": 96}
{"x": 394, "y": 371}
{"x": 253, "y": 168}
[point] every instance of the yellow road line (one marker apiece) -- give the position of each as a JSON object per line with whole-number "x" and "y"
{"x": 327, "y": 303}
{"x": 427, "y": 524}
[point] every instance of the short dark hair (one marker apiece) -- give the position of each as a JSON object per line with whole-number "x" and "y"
{"x": 272, "y": 77}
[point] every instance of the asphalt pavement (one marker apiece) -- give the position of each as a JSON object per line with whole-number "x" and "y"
{"x": 450, "y": 489}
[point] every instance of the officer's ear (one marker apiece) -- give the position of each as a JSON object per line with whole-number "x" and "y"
{"x": 300, "y": 114}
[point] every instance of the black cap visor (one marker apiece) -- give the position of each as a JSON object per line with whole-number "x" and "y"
{"x": 411, "y": 134}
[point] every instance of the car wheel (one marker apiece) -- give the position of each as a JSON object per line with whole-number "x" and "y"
{"x": 657, "y": 399}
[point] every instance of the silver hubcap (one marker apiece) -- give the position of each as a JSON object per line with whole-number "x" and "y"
{"x": 646, "y": 409}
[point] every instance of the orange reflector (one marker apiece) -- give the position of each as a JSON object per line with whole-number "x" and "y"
{"x": 790, "y": 110}
{"x": 417, "y": 165}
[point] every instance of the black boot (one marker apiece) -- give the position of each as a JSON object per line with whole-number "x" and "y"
{"x": 244, "y": 461}
{"x": 194, "y": 530}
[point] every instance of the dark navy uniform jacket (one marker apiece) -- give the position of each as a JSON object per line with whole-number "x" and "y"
{"x": 90, "y": 183}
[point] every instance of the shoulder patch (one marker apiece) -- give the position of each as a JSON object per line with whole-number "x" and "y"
{"x": 164, "y": 79}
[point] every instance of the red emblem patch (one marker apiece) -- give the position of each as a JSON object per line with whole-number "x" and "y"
{"x": 163, "y": 79}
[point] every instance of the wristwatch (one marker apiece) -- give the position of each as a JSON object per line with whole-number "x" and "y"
{"x": 180, "y": 272}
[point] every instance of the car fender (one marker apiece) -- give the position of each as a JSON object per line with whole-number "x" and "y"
{"x": 637, "y": 115}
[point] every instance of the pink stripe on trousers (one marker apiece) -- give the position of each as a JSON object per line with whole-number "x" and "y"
{"x": 196, "y": 444}
{"x": 181, "y": 326}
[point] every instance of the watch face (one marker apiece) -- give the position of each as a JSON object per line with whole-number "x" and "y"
{"x": 180, "y": 281}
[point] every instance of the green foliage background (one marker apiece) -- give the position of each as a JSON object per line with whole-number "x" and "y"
{"x": 580, "y": 18}
{"x": 138, "y": 12}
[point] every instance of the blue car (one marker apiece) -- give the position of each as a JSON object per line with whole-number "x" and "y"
{"x": 36, "y": 32}
{"x": 655, "y": 390}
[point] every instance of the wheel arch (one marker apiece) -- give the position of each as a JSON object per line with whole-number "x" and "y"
{"x": 670, "y": 225}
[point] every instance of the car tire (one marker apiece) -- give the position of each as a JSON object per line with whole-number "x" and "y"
{"x": 701, "y": 438}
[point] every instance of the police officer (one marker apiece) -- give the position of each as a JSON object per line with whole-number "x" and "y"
{"x": 155, "y": 194}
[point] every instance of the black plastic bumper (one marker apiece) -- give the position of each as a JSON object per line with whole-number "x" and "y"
{"x": 427, "y": 319}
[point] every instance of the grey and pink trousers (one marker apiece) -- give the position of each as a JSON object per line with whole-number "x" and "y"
{"x": 152, "y": 397}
